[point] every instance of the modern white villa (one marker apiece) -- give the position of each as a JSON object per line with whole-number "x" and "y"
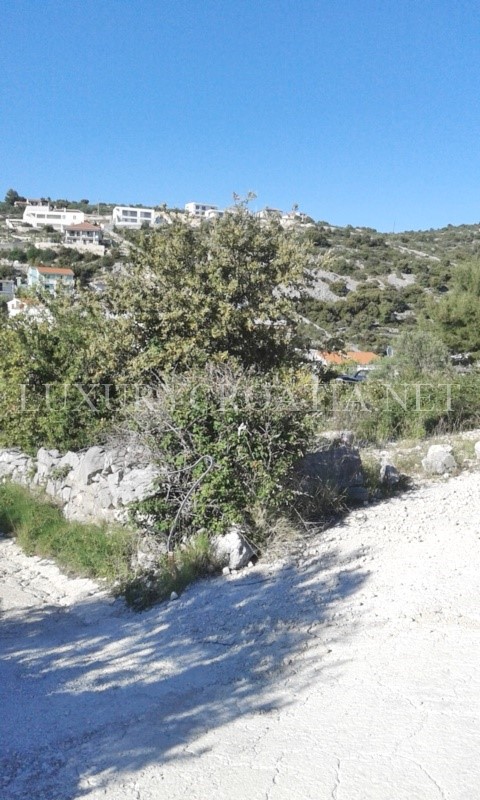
{"x": 58, "y": 218}
{"x": 202, "y": 210}
{"x": 131, "y": 217}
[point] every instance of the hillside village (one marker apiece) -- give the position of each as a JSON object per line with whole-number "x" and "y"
{"x": 366, "y": 287}
{"x": 46, "y": 244}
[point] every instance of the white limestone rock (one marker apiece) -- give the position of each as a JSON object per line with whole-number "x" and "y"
{"x": 232, "y": 549}
{"x": 439, "y": 459}
{"x": 46, "y": 461}
{"x": 389, "y": 474}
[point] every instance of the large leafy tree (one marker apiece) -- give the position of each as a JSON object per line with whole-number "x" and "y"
{"x": 457, "y": 313}
{"x": 220, "y": 291}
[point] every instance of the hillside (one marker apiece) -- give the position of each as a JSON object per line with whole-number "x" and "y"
{"x": 368, "y": 286}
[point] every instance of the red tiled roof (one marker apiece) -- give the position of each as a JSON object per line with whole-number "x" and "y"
{"x": 54, "y": 271}
{"x": 359, "y": 356}
{"x": 83, "y": 226}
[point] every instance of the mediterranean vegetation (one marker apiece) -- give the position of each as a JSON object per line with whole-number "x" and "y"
{"x": 196, "y": 349}
{"x": 203, "y": 322}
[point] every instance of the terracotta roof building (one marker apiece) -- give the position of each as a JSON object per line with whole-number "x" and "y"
{"x": 360, "y": 357}
{"x": 83, "y": 233}
{"x": 50, "y": 278}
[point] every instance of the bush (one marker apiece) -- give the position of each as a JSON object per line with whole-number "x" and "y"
{"x": 218, "y": 292}
{"x": 404, "y": 407}
{"x": 420, "y": 352}
{"x": 225, "y": 440}
{"x": 51, "y": 379}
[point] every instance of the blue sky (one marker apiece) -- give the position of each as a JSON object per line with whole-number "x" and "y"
{"x": 363, "y": 112}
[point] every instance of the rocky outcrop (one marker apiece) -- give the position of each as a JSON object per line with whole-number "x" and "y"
{"x": 335, "y": 464}
{"x": 97, "y": 484}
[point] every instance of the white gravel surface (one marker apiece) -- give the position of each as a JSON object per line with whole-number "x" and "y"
{"x": 352, "y": 674}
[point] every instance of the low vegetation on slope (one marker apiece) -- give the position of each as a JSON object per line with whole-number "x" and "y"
{"x": 41, "y": 529}
{"x": 384, "y": 283}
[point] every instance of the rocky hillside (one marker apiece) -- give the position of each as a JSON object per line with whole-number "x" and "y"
{"x": 368, "y": 286}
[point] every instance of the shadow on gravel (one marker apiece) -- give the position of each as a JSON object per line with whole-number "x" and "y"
{"x": 96, "y": 692}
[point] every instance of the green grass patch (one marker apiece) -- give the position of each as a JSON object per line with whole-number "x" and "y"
{"x": 377, "y": 488}
{"x": 96, "y": 551}
{"x": 41, "y": 529}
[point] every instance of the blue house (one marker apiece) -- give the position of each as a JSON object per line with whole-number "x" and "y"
{"x": 50, "y": 278}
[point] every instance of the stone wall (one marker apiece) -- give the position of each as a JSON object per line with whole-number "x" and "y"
{"x": 97, "y": 484}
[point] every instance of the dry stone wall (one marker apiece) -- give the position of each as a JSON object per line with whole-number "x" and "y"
{"x": 97, "y": 484}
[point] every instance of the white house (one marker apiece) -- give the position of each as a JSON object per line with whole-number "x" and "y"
{"x": 58, "y": 218}
{"x": 49, "y": 278}
{"x": 130, "y": 217}
{"x": 27, "y": 306}
{"x": 199, "y": 210}
{"x": 83, "y": 233}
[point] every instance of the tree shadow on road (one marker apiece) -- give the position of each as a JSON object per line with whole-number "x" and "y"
{"x": 94, "y": 691}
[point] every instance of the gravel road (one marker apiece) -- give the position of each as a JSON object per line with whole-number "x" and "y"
{"x": 351, "y": 674}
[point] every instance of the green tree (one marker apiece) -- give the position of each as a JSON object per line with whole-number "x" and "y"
{"x": 11, "y": 196}
{"x": 420, "y": 352}
{"x": 457, "y": 313}
{"x": 219, "y": 293}
{"x": 53, "y": 377}
{"x": 224, "y": 290}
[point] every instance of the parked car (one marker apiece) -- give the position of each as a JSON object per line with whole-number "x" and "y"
{"x": 357, "y": 377}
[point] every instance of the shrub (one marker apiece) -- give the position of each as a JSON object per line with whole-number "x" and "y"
{"x": 404, "y": 407}
{"x": 214, "y": 293}
{"x": 52, "y": 378}
{"x": 420, "y": 352}
{"x": 225, "y": 440}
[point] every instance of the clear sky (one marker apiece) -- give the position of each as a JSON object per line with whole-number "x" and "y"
{"x": 364, "y": 112}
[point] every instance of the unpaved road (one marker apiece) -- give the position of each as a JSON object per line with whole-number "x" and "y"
{"x": 351, "y": 675}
